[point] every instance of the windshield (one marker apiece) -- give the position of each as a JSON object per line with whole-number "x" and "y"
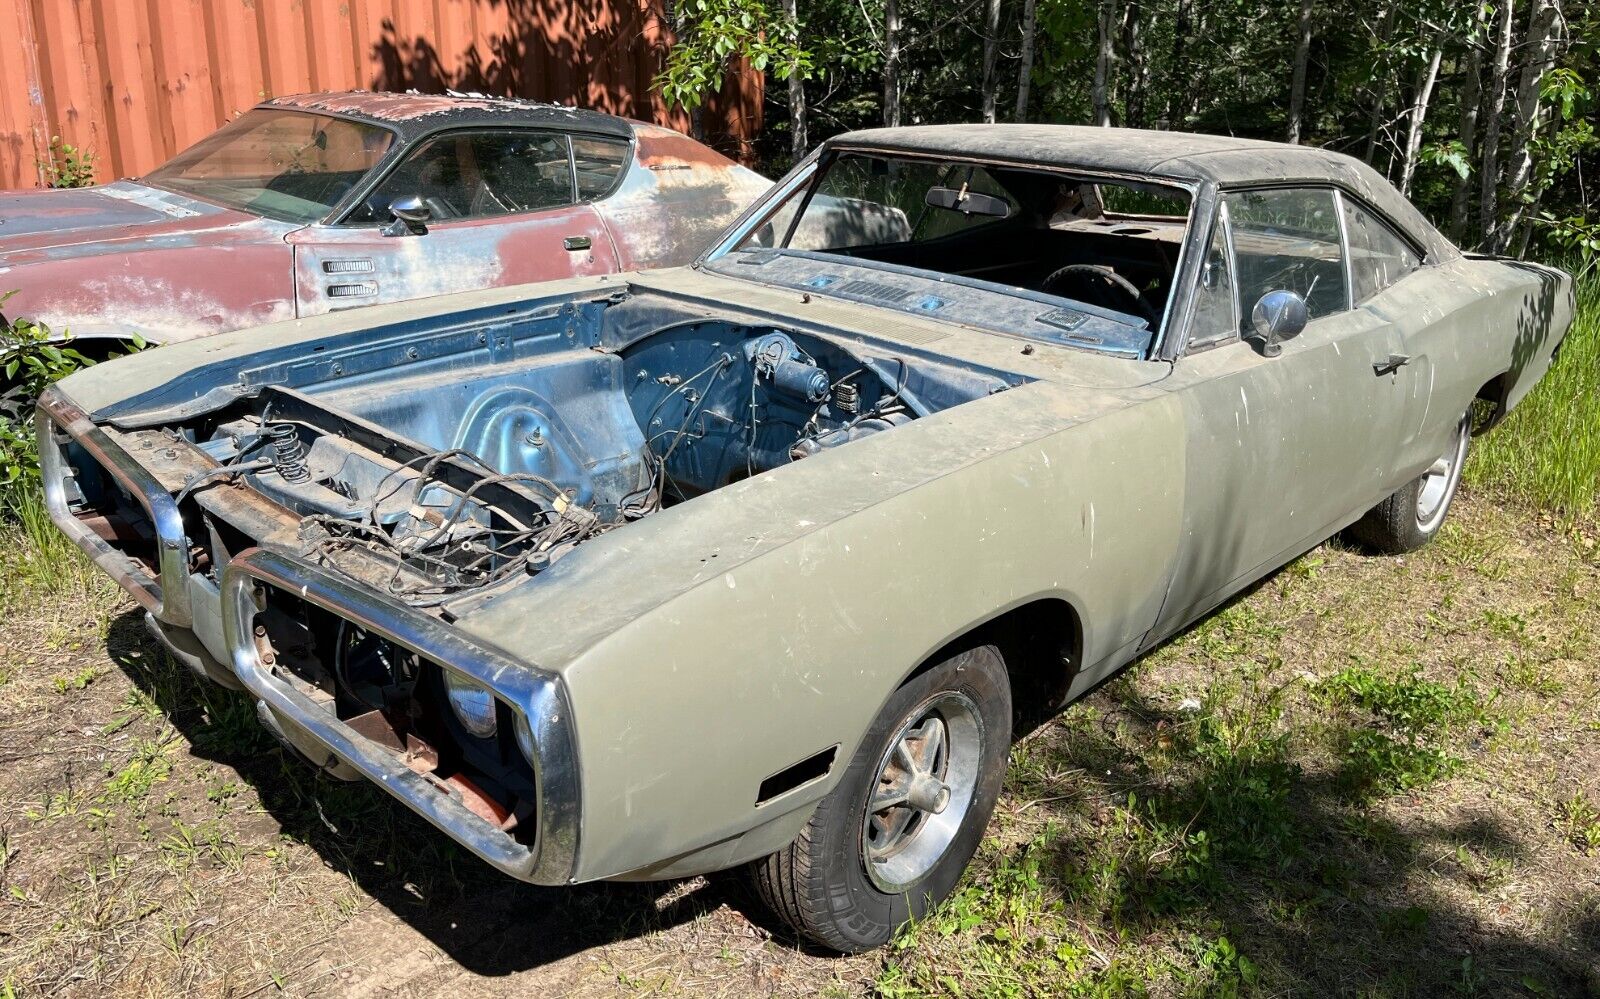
{"x": 289, "y": 165}
{"x": 1070, "y": 247}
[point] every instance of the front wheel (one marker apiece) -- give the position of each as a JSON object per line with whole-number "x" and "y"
{"x": 894, "y": 836}
{"x": 1411, "y": 517}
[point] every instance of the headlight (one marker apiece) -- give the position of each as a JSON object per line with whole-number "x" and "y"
{"x": 472, "y": 703}
{"x": 525, "y": 738}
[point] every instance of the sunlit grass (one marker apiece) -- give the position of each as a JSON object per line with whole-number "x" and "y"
{"x": 1547, "y": 453}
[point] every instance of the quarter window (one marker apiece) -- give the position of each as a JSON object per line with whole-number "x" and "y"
{"x": 474, "y": 175}
{"x": 1378, "y": 257}
{"x": 598, "y": 163}
{"x": 1288, "y": 240}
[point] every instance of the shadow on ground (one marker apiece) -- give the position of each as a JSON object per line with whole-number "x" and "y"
{"x": 1327, "y": 896}
{"x": 489, "y": 923}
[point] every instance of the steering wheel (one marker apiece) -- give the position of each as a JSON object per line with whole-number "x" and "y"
{"x": 1097, "y": 284}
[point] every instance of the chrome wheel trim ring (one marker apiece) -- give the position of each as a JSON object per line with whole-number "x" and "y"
{"x": 922, "y": 790}
{"x": 1439, "y": 482}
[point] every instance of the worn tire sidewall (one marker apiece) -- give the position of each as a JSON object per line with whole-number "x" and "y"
{"x": 863, "y": 915}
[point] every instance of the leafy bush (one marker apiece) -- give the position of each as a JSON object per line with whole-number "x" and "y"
{"x": 68, "y": 166}
{"x": 32, "y": 358}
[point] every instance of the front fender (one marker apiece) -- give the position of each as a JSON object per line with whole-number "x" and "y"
{"x": 688, "y": 707}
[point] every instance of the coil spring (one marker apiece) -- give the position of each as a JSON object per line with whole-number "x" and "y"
{"x": 288, "y": 454}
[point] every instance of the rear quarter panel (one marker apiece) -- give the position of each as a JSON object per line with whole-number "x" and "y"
{"x": 675, "y": 198}
{"x": 1466, "y": 323}
{"x": 686, "y": 707}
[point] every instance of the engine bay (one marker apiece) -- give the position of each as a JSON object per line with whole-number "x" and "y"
{"x": 459, "y": 473}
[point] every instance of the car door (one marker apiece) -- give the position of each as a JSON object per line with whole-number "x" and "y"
{"x": 503, "y": 208}
{"x": 1282, "y": 451}
{"x": 1435, "y": 384}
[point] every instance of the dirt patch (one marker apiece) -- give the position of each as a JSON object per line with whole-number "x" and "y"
{"x": 1367, "y": 775}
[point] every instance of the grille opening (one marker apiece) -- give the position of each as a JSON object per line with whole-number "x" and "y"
{"x": 112, "y": 513}
{"x": 814, "y": 767}
{"x": 397, "y": 699}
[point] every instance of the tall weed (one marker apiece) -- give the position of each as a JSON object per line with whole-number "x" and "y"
{"x": 1547, "y": 453}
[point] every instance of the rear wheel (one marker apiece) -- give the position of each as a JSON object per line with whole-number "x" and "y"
{"x": 894, "y": 836}
{"x": 1411, "y": 517}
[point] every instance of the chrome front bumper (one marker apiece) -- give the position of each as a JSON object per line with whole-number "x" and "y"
{"x": 165, "y": 595}
{"x": 539, "y": 696}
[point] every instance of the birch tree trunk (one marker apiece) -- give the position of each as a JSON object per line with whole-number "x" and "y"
{"x": 1471, "y": 94}
{"x": 1025, "y": 72}
{"x": 1541, "y": 46}
{"x": 891, "y": 63}
{"x": 1138, "y": 65}
{"x": 1297, "y": 86}
{"x": 1380, "y": 85}
{"x": 1102, "y": 64}
{"x": 991, "y": 46}
{"x": 1419, "y": 113}
{"x": 797, "y": 95}
{"x": 1489, "y": 168}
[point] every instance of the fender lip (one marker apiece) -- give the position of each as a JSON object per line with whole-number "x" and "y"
{"x": 539, "y": 695}
{"x": 166, "y": 594}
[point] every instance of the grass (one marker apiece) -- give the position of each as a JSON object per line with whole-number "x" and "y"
{"x": 1547, "y": 452}
{"x": 1374, "y": 777}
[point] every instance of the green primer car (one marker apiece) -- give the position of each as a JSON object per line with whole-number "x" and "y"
{"x": 753, "y": 562}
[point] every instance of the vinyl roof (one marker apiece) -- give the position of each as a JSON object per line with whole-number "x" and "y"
{"x": 1181, "y": 156}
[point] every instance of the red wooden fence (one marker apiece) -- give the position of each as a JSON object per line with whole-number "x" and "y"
{"x": 134, "y": 81}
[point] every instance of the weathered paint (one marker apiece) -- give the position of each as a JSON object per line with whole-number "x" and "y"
{"x": 134, "y": 83}
{"x": 126, "y": 258}
{"x": 707, "y": 645}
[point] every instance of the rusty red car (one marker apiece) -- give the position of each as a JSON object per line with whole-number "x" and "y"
{"x": 304, "y": 205}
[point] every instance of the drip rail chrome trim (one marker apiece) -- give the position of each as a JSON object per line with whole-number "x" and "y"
{"x": 538, "y": 695}
{"x": 166, "y": 595}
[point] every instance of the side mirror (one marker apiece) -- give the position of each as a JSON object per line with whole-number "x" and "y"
{"x": 411, "y": 216}
{"x": 1279, "y": 315}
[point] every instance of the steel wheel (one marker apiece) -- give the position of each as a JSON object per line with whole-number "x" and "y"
{"x": 924, "y": 787}
{"x": 1439, "y": 482}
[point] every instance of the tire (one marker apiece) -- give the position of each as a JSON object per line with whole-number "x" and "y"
{"x": 1412, "y": 516}
{"x": 848, "y": 881}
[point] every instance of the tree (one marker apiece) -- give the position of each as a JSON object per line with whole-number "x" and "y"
{"x": 1541, "y": 42}
{"x": 1297, "y": 88}
{"x": 1489, "y": 163}
{"x": 891, "y": 63}
{"x": 1025, "y": 71}
{"x": 1419, "y": 112}
{"x": 991, "y": 46}
{"x": 711, "y": 34}
{"x": 1104, "y": 53}
{"x": 797, "y": 92}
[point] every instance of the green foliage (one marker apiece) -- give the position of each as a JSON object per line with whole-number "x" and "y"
{"x": 31, "y": 358}
{"x": 713, "y": 33}
{"x": 1399, "y": 747}
{"x": 68, "y": 166}
{"x": 1547, "y": 452}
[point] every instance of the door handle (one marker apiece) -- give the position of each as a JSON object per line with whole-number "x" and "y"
{"x": 1390, "y": 364}
{"x": 577, "y": 242}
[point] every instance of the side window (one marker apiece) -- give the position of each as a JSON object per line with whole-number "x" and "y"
{"x": 474, "y": 175}
{"x": 599, "y": 162}
{"x": 1378, "y": 257}
{"x": 1214, "y": 315}
{"x": 1288, "y": 239}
